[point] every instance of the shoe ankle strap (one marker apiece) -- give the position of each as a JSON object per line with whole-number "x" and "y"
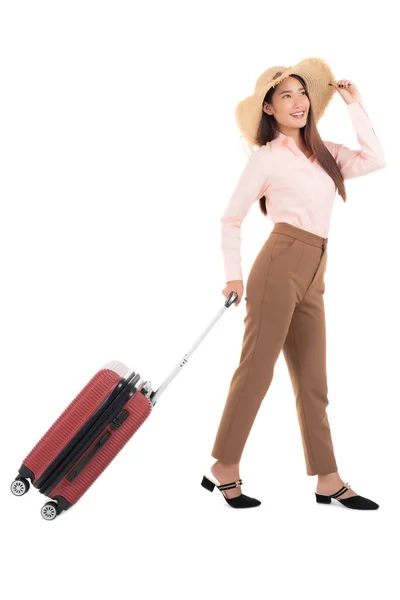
{"x": 229, "y": 486}
{"x": 342, "y": 490}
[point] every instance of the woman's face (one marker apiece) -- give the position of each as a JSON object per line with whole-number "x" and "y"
{"x": 289, "y": 97}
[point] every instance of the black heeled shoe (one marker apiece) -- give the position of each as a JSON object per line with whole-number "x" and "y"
{"x": 358, "y": 502}
{"x": 241, "y": 501}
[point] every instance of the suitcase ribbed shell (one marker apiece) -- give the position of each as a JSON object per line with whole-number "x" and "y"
{"x": 139, "y": 408}
{"x": 74, "y": 416}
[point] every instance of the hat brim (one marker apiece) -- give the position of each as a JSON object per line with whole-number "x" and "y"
{"x": 316, "y": 73}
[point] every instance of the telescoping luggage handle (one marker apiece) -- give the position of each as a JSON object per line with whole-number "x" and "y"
{"x": 230, "y": 300}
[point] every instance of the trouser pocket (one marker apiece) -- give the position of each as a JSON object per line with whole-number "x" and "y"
{"x": 282, "y": 244}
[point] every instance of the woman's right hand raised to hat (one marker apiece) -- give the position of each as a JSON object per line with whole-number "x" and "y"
{"x": 236, "y": 285}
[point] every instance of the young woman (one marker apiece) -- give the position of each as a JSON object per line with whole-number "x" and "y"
{"x": 294, "y": 175}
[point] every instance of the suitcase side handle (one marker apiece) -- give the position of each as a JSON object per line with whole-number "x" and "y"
{"x": 154, "y": 395}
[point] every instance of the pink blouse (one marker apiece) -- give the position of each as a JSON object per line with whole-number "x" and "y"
{"x": 297, "y": 190}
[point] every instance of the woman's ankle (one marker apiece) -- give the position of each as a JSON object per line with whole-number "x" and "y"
{"x": 328, "y": 475}
{"x": 329, "y": 478}
{"x": 226, "y": 466}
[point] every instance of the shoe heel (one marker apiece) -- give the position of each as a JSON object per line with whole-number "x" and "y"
{"x": 206, "y": 483}
{"x": 322, "y": 499}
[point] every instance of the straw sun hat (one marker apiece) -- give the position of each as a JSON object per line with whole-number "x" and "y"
{"x": 315, "y": 72}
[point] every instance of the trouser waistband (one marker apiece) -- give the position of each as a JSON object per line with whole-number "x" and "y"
{"x": 300, "y": 234}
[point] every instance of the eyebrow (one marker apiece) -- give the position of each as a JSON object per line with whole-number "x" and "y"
{"x": 286, "y": 91}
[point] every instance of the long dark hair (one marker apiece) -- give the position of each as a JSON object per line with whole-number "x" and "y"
{"x": 268, "y": 129}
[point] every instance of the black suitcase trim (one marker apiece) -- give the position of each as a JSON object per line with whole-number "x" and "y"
{"x": 82, "y": 464}
{"x": 42, "y": 482}
{"x": 84, "y": 443}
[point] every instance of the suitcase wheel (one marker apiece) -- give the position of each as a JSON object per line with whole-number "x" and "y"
{"x": 20, "y": 486}
{"x": 50, "y": 510}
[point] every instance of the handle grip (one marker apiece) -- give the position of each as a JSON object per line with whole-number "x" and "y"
{"x": 231, "y": 299}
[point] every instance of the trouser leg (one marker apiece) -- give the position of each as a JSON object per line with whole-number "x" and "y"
{"x": 270, "y": 302}
{"x": 305, "y": 354}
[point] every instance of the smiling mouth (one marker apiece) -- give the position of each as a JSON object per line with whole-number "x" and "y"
{"x": 299, "y": 116}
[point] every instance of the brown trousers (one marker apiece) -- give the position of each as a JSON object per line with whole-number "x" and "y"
{"x": 284, "y": 311}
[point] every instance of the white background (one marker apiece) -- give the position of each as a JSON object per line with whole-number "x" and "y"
{"x": 119, "y": 153}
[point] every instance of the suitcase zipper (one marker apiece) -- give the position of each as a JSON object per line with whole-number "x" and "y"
{"x": 82, "y": 432}
{"x": 86, "y": 442}
{"x": 80, "y": 466}
{"x": 86, "y": 435}
{"x": 114, "y": 425}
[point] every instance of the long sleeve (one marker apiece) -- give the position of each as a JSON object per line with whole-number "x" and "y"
{"x": 248, "y": 189}
{"x": 354, "y": 163}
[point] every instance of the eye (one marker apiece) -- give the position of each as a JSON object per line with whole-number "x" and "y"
{"x": 284, "y": 96}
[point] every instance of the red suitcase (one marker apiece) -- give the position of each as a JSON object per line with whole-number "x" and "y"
{"x": 91, "y": 431}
